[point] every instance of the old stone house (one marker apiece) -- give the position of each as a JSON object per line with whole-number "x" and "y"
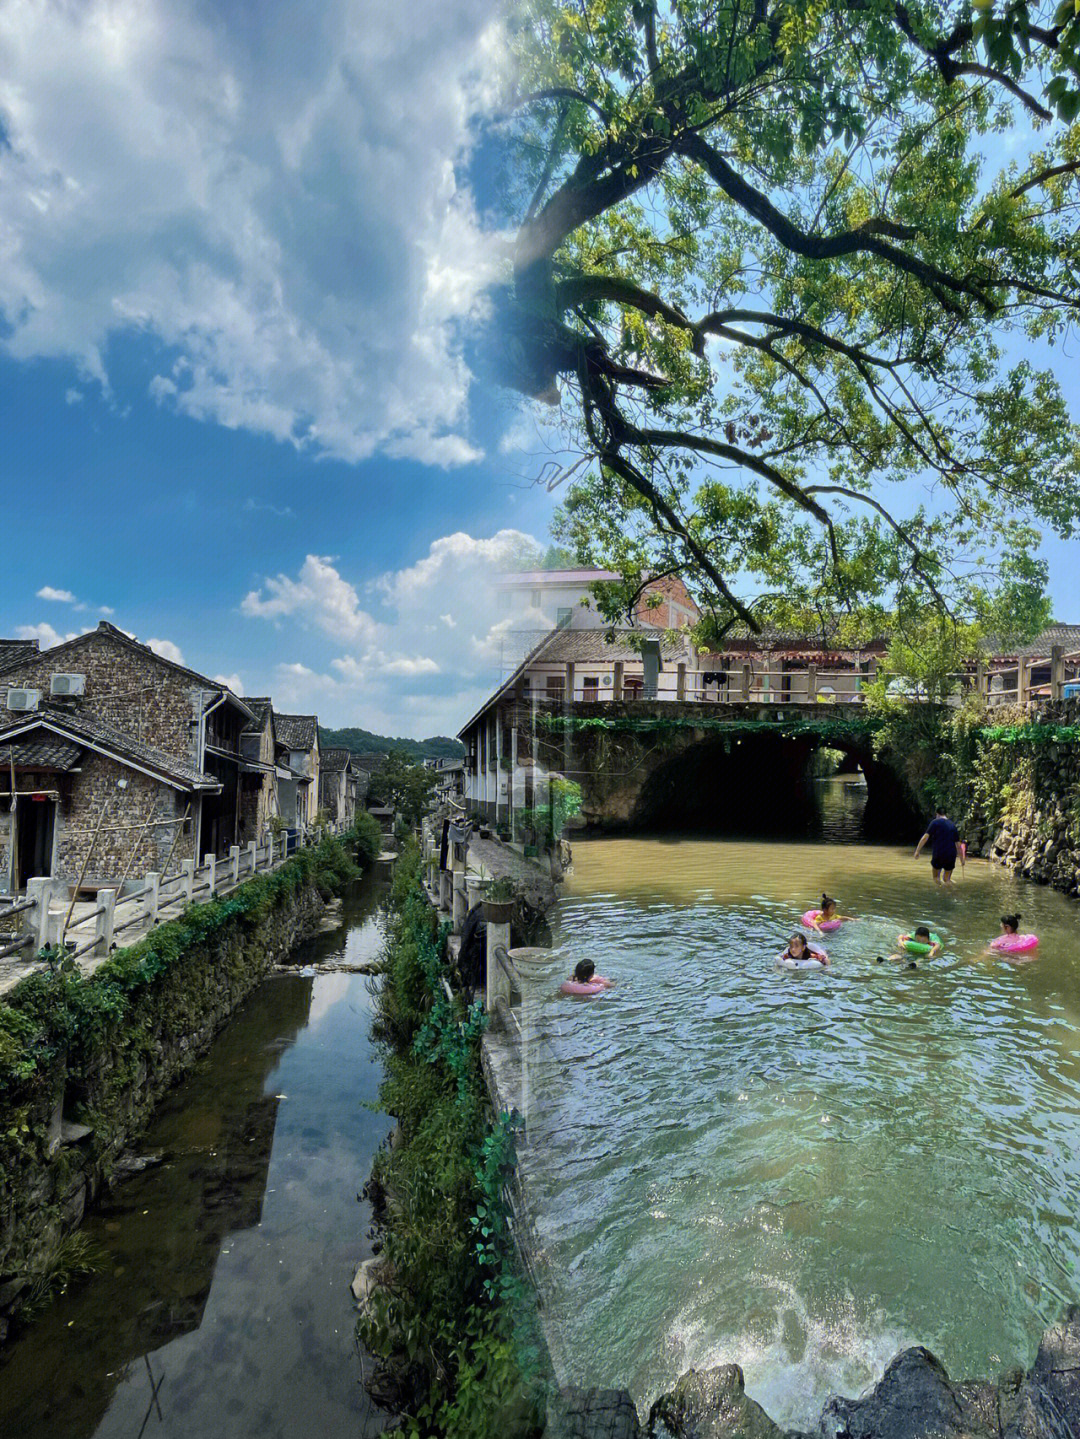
{"x": 297, "y": 742}
{"x": 337, "y": 786}
{"x": 120, "y": 760}
{"x": 259, "y": 784}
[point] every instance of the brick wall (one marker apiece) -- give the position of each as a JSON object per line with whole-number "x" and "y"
{"x": 142, "y": 798}
{"x": 666, "y": 615}
{"x": 133, "y": 690}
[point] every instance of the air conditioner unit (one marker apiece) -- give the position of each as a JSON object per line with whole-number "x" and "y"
{"x": 67, "y": 685}
{"x": 23, "y": 699}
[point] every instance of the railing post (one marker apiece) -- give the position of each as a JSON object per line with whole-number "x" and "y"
{"x": 980, "y": 679}
{"x": 210, "y": 865}
{"x": 497, "y": 983}
{"x": 103, "y": 928}
{"x": 153, "y": 886}
{"x": 570, "y": 681}
{"x": 41, "y": 892}
{"x": 253, "y": 851}
{"x": 617, "y": 684}
{"x": 680, "y": 681}
{"x": 234, "y": 863}
{"x": 747, "y": 671}
{"x": 1057, "y": 671}
{"x": 187, "y": 886}
{"x": 1022, "y": 677}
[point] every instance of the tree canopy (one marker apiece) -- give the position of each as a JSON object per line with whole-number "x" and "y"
{"x": 792, "y": 269}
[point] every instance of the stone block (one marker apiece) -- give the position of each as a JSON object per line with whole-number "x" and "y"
{"x": 575, "y": 1413}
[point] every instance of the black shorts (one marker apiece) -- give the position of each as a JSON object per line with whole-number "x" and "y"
{"x": 946, "y": 864}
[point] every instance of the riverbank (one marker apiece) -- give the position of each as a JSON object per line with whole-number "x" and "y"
{"x": 221, "y": 1271}
{"x": 84, "y": 1061}
{"x": 443, "y": 1305}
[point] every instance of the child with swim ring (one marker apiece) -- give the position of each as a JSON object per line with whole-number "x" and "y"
{"x": 586, "y": 981}
{"x": 826, "y": 917}
{"x": 919, "y": 941}
{"x": 801, "y": 954}
{"x": 1009, "y": 941}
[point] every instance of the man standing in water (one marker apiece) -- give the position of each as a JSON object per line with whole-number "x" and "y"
{"x": 944, "y": 839}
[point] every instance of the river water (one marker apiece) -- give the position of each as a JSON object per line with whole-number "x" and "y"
{"x": 802, "y": 1173}
{"x": 220, "y": 1307}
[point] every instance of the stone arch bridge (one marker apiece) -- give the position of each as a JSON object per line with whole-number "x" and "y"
{"x": 661, "y": 765}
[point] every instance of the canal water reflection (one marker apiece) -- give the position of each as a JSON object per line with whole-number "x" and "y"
{"x": 802, "y": 1172}
{"x": 221, "y": 1308}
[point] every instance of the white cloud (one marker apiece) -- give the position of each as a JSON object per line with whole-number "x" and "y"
{"x": 45, "y": 635}
{"x": 105, "y": 610}
{"x": 72, "y": 396}
{"x": 319, "y": 595}
{"x": 282, "y": 512}
{"x": 279, "y": 205}
{"x": 167, "y": 650}
{"x": 436, "y": 643}
{"x": 48, "y": 593}
{"x": 233, "y": 682}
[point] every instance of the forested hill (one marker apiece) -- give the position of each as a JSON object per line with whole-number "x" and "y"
{"x": 362, "y": 741}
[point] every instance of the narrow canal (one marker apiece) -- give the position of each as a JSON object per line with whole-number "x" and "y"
{"x": 220, "y": 1306}
{"x": 802, "y": 1173}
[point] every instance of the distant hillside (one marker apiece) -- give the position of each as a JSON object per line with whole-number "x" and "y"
{"x": 362, "y": 741}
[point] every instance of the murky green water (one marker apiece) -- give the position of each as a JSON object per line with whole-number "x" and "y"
{"x": 803, "y": 1172}
{"x": 221, "y": 1307}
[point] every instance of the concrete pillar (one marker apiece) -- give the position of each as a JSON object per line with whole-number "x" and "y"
{"x": 103, "y": 927}
{"x": 570, "y": 682}
{"x": 460, "y": 902}
{"x": 253, "y": 851}
{"x": 980, "y": 680}
{"x": 187, "y": 884}
{"x": 497, "y": 982}
{"x": 444, "y": 890}
{"x": 617, "y": 687}
{"x": 811, "y": 683}
{"x": 1057, "y": 671}
{"x": 533, "y": 967}
{"x": 234, "y": 863}
{"x": 151, "y": 889}
{"x": 1022, "y": 678}
{"x": 41, "y": 892}
{"x": 680, "y": 682}
{"x": 747, "y": 672}
{"x": 210, "y": 865}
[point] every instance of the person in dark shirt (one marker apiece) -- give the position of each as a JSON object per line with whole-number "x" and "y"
{"x": 944, "y": 840}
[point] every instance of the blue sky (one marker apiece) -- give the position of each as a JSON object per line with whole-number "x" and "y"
{"x": 239, "y": 259}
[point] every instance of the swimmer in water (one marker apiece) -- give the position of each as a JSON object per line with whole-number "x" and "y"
{"x": 798, "y": 949}
{"x": 920, "y": 935}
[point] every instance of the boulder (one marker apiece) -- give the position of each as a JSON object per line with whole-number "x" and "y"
{"x": 1056, "y": 1372}
{"x": 914, "y": 1399}
{"x": 711, "y": 1404}
{"x": 575, "y": 1413}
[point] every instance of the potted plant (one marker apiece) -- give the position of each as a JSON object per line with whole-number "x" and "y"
{"x": 499, "y": 901}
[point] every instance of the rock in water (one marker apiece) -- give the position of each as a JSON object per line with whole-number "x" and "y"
{"x": 712, "y": 1404}
{"x": 591, "y": 1414}
{"x": 913, "y": 1400}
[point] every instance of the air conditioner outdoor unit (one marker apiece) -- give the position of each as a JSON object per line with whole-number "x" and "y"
{"x": 23, "y": 699}
{"x": 67, "y": 685}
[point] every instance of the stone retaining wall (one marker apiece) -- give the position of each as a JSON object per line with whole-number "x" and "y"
{"x": 63, "y": 1131}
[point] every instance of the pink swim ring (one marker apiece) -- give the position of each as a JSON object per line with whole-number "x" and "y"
{"x": 1014, "y": 943}
{"x": 593, "y": 986}
{"x": 813, "y": 916}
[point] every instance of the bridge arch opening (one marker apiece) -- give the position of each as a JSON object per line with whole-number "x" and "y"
{"x": 769, "y": 784}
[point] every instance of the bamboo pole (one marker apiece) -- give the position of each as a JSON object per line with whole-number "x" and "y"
{"x": 82, "y": 872}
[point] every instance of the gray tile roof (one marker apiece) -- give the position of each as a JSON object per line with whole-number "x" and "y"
{"x": 568, "y": 646}
{"x": 296, "y": 731}
{"x": 44, "y": 750}
{"x": 334, "y": 761}
{"x": 97, "y": 734}
{"x": 13, "y": 652}
{"x": 261, "y": 707}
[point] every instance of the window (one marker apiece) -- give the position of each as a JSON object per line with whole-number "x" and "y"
{"x": 555, "y": 686}
{"x": 563, "y": 616}
{"x": 591, "y": 687}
